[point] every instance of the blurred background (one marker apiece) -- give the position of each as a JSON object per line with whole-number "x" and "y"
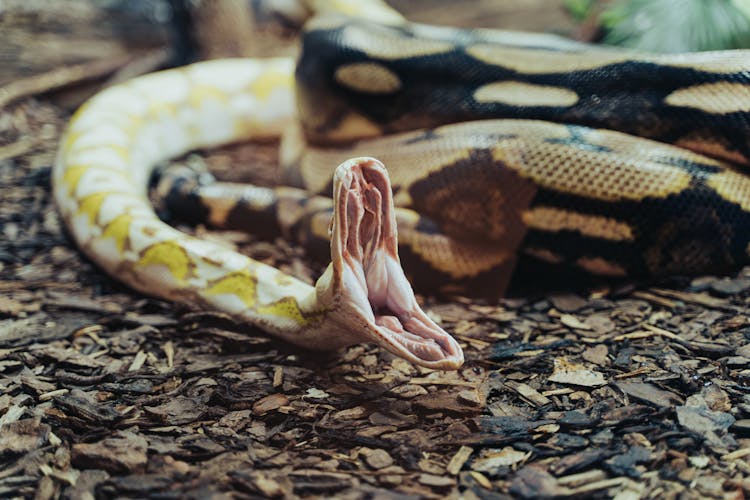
{"x": 41, "y": 35}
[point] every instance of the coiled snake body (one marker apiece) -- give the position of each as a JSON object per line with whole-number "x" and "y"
{"x": 473, "y": 196}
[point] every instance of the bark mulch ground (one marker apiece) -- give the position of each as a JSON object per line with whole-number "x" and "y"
{"x": 624, "y": 392}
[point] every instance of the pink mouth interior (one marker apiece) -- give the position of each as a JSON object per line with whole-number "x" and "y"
{"x": 372, "y": 275}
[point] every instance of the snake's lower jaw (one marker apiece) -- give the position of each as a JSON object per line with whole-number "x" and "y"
{"x": 394, "y": 320}
{"x": 372, "y": 296}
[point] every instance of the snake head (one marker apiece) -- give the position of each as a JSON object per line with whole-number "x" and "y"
{"x": 365, "y": 284}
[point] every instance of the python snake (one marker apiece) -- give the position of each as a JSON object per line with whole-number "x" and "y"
{"x": 474, "y": 197}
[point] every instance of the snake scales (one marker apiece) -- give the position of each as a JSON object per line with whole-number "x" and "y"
{"x": 473, "y": 195}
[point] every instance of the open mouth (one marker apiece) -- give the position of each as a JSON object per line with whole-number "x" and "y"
{"x": 365, "y": 246}
{"x": 423, "y": 339}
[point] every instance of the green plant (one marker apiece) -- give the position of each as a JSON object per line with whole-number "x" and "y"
{"x": 579, "y": 9}
{"x": 672, "y": 25}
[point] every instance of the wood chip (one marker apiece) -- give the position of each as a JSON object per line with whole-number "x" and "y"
{"x": 138, "y": 362}
{"x": 506, "y": 457}
{"x": 444, "y": 401}
{"x": 378, "y": 458}
{"x": 534, "y": 482}
{"x": 573, "y": 322}
{"x": 125, "y": 452}
{"x": 351, "y": 413}
{"x": 528, "y": 393}
{"x": 177, "y": 411}
{"x": 22, "y": 436}
{"x": 278, "y": 376}
{"x": 597, "y": 354}
{"x": 269, "y": 403}
{"x": 568, "y": 302}
{"x": 471, "y": 398}
{"x": 701, "y": 299}
{"x": 574, "y": 374}
{"x": 169, "y": 352}
{"x": 408, "y": 391}
{"x": 436, "y": 481}
{"x": 458, "y": 460}
{"x": 650, "y": 394}
{"x": 481, "y": 479}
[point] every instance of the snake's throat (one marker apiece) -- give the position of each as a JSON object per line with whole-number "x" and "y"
{"x": 364, "y": 248}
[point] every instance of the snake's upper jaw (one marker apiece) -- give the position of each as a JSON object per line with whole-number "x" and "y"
{"x": 372, "y": 296}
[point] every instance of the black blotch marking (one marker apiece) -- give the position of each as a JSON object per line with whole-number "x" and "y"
{"x": 693, "y": 231}
{"x": 262, "y": 223}
{"x": 182, "y": 201}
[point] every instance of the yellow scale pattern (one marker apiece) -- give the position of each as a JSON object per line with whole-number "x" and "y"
{"x": 91, "y": 205}
{"x": 287, "y": 308}
{"x": 243, "y": 284}
{"x": 168, "y": 253}
{"x": 119, "y": 230}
